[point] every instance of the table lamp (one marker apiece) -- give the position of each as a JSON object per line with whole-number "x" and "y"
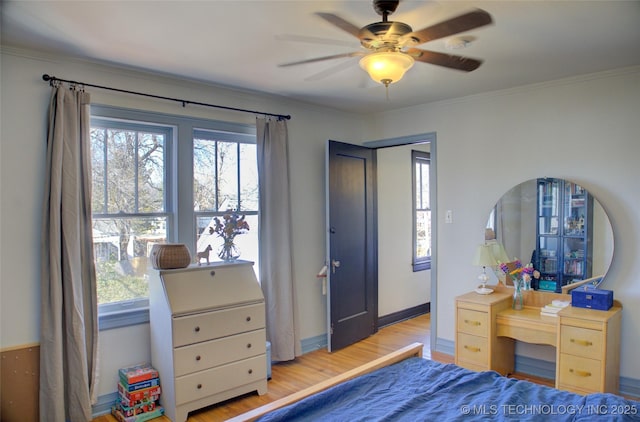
{"x": 484, "y": 258}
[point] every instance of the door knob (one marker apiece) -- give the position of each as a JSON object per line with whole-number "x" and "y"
{"x": 334, "y": 264}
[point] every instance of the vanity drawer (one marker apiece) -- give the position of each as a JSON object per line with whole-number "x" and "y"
{"x": 582, "y": 373}
{"x": 211, "y": 325}
{"x": 473, "y": 349}
{"x": 473, "y": 322}
{"x": 581, "y": 342}
{"x": 196, "y": 357}
{"x": 212, "y": 381}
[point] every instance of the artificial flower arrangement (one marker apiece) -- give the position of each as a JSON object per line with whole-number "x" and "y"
{"x": 521, "y": 275}
{"x": 231, "y": 225}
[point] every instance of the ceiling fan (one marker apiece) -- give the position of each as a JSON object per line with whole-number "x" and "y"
{"x": 390, "y": 47}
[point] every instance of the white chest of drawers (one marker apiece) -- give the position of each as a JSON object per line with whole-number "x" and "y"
{"x": 207, "y": 335}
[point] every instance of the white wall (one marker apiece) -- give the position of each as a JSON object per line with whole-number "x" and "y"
{"x": 399, "y": 287}
{"x": 584, "y": 128}
{"x": 530, "y": 131}
{"x": 24, "y": 104}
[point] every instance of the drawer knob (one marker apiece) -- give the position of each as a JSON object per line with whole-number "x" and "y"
{"x": 250, "y": 371}
{"x": 472, "y": 348}
{"x": 248, "y": 318}
{"x": 580, "y": 373}
{"x": 212, "y": 273}
{"x": 199, "y": 386}
{"x": 249, "y": 346}
{"x": 581, "y": 342}
{"x": 197, "y": 329}
{"x": 198, "y": 357}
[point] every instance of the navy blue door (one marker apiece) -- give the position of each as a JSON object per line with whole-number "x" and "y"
{"x": 352, "y": 244}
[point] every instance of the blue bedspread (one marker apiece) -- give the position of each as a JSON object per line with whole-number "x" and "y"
{"x": 423, "y": 390}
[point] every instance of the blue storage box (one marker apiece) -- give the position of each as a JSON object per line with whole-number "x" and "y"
{"x": 592, "y": 298}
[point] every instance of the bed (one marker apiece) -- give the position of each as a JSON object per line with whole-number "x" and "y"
{"x": 405, "y": 387}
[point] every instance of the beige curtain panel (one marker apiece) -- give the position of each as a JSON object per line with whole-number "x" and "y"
{"x": 69, "y": 323}
{"x": 276, "y": 254}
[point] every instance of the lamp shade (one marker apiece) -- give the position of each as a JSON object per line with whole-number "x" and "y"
{"x": 386, "y": 67}
{"x": 498, "y": 251}
{"x": 484, "y": 257}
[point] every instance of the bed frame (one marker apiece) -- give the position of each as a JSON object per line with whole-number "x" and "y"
{"x": 412, "y": 350}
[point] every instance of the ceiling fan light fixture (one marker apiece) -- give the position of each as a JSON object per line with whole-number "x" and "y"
{"x": 386, "y": 67}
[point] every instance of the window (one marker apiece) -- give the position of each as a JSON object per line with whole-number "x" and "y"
{"x": 225, "y": 177}
{"x": 145, "y": 191}
{"x": 129, "y": 204}
{"x": 421, "y": 211}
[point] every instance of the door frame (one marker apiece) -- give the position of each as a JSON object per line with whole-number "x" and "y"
{"x": 433, "y": 187}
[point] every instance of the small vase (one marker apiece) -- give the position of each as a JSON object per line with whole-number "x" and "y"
{"x": 518, "y": 300}
{"x": 229, "y": 252}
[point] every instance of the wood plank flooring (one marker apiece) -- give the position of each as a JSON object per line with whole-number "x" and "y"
{"x": 319, "y": 365}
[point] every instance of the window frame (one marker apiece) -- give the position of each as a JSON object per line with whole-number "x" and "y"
{"x": 181, "y": 222}
{"x": 419, "y": 263}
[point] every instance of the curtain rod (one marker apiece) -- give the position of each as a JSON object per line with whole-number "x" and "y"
{"x": 52, "y": 79}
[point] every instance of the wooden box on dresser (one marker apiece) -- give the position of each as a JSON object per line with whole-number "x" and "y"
{"x": 208, "y": 338}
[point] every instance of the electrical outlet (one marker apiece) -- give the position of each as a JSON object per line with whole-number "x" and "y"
{"x": 449, "y": 217}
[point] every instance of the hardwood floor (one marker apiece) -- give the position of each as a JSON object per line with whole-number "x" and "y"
{"x": 319, "y": 365}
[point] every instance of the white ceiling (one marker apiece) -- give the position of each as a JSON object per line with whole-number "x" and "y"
{"x": 240, "y": 43}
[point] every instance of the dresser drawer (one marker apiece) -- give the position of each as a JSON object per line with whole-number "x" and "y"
{"x": 473, "y": 322}
{"x": 200, "y": 356}
{"x": 211, "y": 325}
{"x": 473, "y": 349}
{"x": 581, "y": 342}
{"x": 583, "y": 373}
{"x": 212, "y": 381}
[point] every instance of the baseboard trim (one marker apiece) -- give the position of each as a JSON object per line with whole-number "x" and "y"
{"x": 404, "y": 314}
{"x": 313, "y": 343}
{"x": 104, "y": 404}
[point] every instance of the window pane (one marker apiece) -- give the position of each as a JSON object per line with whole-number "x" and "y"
{"x": 248, "y": 177}
{"x": 121, "y": 175}
{"x": 424, "y": 188}
{"x": 98, "y": 200}
{"x": 227, "y": 175}
{"x": 204, "y": 175}
{"x": 121, "y": 248}
{"x": 423, "y": 234}
{"x": 150, "y": 172}
{"x": 247, "y": 242}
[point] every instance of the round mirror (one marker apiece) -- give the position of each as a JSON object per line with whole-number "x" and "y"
{"x": 557, "y": 226}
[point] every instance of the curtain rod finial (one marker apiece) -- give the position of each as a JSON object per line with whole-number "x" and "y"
{"x": 46, "y": 77}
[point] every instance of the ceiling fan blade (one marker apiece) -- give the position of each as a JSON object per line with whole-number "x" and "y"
{"x": 465, "y": 64}
{"x": 461, "y": 23}
{"x": 316, "y": 40}
{"x": 318, "y": 59}
{"x": 344, "y": 25}
{"x": 329, "y": 71}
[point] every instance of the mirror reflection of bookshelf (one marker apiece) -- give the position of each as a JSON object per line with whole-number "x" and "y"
{"x": 563, "y": 247}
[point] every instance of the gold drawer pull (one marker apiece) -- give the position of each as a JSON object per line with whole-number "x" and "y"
{"x": 581, "y": 342}
{"x": 474, "y": 323}
{"x": 472, "y": 348}
{"x": 580, "y": 373}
